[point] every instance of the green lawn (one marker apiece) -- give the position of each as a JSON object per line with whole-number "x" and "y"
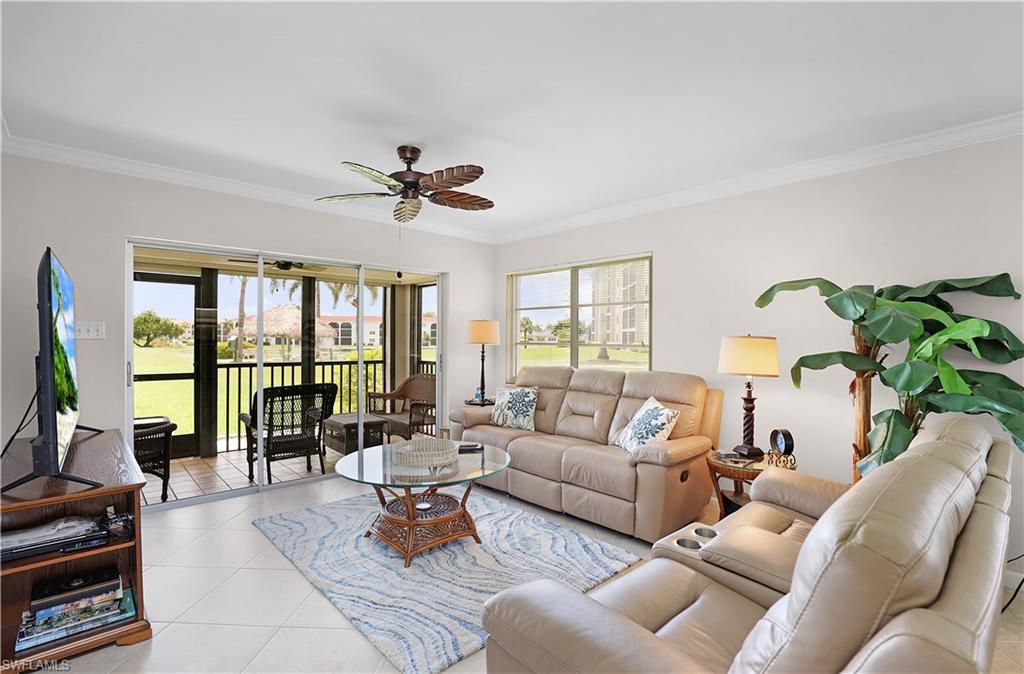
{"x": 558, "y": 354}
{"x": 174, "y": 399}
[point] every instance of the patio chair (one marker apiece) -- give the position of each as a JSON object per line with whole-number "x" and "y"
{"x": 412, "y": 406}
{"x": 152, "y": 447}
{"x": 293, "y": 423}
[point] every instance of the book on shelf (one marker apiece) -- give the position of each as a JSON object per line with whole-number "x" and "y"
{"x": 33, "y": 633}
{"x": 79, "y": 604}
{"x": 66, "y": 590}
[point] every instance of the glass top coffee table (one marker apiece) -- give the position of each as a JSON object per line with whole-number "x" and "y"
{"x": 413, "y": 522}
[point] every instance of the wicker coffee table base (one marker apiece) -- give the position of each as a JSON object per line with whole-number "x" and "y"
{"x": 411, "y": 523}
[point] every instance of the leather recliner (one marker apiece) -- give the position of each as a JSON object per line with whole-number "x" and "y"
{"x": 569, "y": 464}
{"x": 901, "y": 573}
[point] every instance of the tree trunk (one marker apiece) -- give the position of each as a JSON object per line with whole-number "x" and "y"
{"x": 240, "y": 331}
{"x": 861, "y": 420}
{"x": 860, "y": 389}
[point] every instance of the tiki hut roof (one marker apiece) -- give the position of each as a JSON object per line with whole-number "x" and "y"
{"x": 284, "y": 320}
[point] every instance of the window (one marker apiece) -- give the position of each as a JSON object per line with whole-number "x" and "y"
{"x": 345, "y": 334}
{"x": 592, "y": 315}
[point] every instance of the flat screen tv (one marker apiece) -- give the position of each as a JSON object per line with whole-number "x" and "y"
{"x": 56, "y": 374}
{"x": 58, "y": 359}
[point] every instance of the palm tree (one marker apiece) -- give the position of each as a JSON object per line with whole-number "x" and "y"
{"x": 351, "y": 292}
{"x": 527, "y": 327}
{"x": 240, "y": 325}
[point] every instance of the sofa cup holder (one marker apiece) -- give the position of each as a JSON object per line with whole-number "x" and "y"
{"x": 689, "y": 543}
{"x": 705, "y": 532}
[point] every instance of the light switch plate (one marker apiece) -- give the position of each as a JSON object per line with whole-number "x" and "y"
{"x": 91, "y": 330}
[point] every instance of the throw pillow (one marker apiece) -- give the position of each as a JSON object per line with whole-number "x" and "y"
{"x": 651, "y": 423}
{"x": 514, "y": 407}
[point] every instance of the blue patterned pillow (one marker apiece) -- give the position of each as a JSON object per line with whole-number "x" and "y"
{"x": 514, "y": 407}
{"x": 651, "y": 423}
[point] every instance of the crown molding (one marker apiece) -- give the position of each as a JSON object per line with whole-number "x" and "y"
{"x": 886, "y": 153}
{"x": 35, "y": 149}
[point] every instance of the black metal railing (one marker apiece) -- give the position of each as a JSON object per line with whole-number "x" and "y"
{"x": 426, "y": 367}
{"x": 236, "y": 384}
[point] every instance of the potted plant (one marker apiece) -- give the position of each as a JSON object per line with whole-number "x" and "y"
{"x": 925, "y": 381}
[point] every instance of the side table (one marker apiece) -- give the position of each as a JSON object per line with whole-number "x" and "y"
{"x": 341, "y": 432}
{"x": 740, "y": 471}
{"x": 486, "y": 402}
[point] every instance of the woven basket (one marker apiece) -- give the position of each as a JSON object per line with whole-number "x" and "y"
{"x": 425, "y": 453}
{"x": 425, "y": 475}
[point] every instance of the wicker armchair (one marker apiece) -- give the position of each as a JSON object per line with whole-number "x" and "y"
{"x": 412, "y": 406}
{"x": 153, "y": 449}
{"x": 293, "y": 423}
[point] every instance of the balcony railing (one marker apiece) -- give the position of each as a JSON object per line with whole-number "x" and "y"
{"x": 237, "y": 384}
{"x": 426, "y": 367}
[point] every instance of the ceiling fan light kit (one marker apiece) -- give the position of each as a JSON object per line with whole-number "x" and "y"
{"x": 410, "y": 185}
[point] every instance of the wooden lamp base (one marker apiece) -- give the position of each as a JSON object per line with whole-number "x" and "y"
{"x": 748, "y": 449}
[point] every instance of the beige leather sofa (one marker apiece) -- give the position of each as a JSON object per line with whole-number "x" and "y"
{"x": 567, "y": 463}
{"x": 901, "y": 573}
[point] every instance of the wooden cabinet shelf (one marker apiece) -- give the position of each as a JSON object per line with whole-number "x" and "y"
{"x": 46, "y": 559}
{"x": 107, "y": 459}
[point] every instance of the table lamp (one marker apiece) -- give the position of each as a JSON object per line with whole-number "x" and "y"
{"x": 484, "y": 333}
{"x": 750, "y": 357}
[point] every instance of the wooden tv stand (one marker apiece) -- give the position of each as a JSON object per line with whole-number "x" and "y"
{"x": 105, "y": 458}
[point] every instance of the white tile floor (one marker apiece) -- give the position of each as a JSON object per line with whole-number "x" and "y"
{"x": 223, "y": 599}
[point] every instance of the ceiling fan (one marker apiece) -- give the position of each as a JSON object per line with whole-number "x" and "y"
{"x": 410, "y": 185}
{"x": 287, "y": 265}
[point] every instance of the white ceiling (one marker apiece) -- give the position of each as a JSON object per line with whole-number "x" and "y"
{"x": 573, "y": 110}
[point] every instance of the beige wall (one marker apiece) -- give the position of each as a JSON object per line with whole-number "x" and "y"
{"x": 86, "y": 216}
{"x": 956, "y": 213}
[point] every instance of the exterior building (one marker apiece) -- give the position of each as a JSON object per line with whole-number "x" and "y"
{"x": 344, "y": 330}
{"x": 187, "y": 330}
{"x": 621, "y": 312}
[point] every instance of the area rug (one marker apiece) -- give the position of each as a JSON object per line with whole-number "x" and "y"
{"x": 427, "y": 617}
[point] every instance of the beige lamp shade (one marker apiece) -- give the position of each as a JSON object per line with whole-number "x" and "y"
{"x": 749, "y": 356}
{"x": 484, "y": 332}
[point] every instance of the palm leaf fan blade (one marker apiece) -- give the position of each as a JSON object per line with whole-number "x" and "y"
{"x": 407, "y": 209}
{"x": 461, "y": 200}
{"x": 373, "y": 174}
{"x": 356, "y": 195}
{"x": 453, "y": 176}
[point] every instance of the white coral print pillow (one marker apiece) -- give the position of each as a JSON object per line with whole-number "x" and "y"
{"x": 514, "y": 407}
{"x": 651, "y": 423}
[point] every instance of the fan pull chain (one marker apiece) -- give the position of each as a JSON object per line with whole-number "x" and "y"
{"x": 399, "y": 274}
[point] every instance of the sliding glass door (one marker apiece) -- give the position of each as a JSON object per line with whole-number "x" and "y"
{"x": 254, "y": 358}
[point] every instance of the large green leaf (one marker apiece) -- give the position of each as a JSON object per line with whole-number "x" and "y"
{"x": 1014, "y": 425}
{"x": 1000, "y": 345}
{"x": 989, "y": 379}
{"x": 824, "y": 286}
{"x": 819, "y": 361}
{"x": 924, "y": 311}
{"x": 1007, "y": 397}
{"x": 1003, "y": 409}
{"x": 852, "y": 302}
{"x": 951, "y": 380}
{"x": 910, "y": 377}
{"x": 964, "y": 331}
{"x": 892, "y": 325}
{"x": 893, "y": 293}
{"x": 969, "y": 404}
{"x": 998, "y": 285}
{"x": 888, "y": 439}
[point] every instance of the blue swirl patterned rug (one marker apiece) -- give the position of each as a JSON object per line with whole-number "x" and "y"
{"x": 427, "y": 617}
